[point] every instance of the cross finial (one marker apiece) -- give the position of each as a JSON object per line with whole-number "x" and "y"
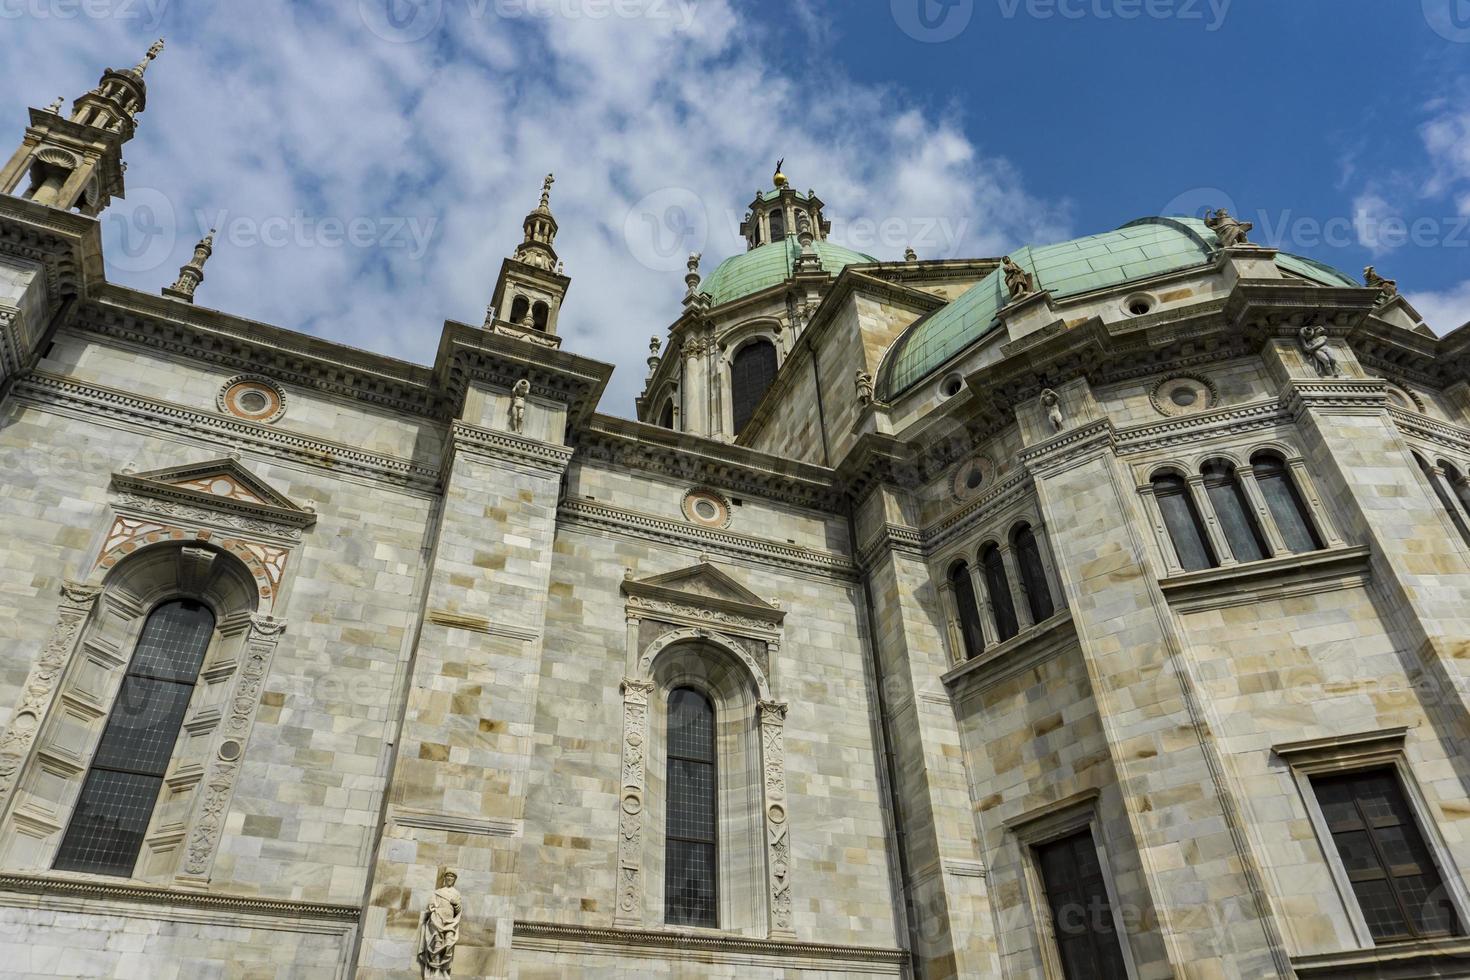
{"x": 780, "y": 179}
{"x": 154, "y": 50}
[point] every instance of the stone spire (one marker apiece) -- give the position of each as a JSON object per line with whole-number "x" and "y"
{"x": 153, "y": 51}
{"x": 693, "y": 298}
{"x": 192, "y": 273}
{"x": 540, "y": 228}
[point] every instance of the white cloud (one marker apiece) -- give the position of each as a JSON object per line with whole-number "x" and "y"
{"x": 1444, "y": 311}
{"x": 1372, "y": 216}
{"x": 1446, "y": 139}
{"x": 285, "y": 115}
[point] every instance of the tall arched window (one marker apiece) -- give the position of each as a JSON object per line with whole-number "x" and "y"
{"x": 1284, "y": 502}
{"x": 666, "y": 416}
{"x": 971, "y": 635}
{"x": 778, "y": 225}
{"x": 1446, "y": 499}
{"x": 539, "y": 313}
{"x": 751, "y": 373}
{"x": 1000, "y": 592}
{"x": 691, "y": 869}
{"x": 518, "y": 308}
{"x": 1183, "y": 523}
{"x": 1233, "y": 511}
{"x": 121, "y": 788}
{"x": 1033, "y": 573}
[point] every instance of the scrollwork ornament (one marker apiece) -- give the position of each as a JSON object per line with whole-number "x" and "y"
{"x": 778, "y": 840}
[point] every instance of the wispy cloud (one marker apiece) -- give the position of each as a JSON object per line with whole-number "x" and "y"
{"x": 393, "y": 174}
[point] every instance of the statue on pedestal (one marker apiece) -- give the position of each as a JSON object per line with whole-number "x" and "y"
{"x": 1229, "y": 230}
{"x": 439, "y": 930}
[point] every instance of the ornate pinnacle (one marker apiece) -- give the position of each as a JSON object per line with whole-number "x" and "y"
{"x": 692, "y": 297}
{"x": 153, "y": 51}
{"x": 192, "y": 273}
{"x": 546, "y": 192}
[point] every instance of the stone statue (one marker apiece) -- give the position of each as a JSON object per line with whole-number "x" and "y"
{"x": 1230, "y": 231}
{"x": 561, "y": 268}
{"x": 55, "y": 107}
{"x": 1387, "y": 288}
{"x": 439, "y": 930}
{"x": 518, "y": 405}
{"x": 1052, "y": 402}
{"x": 1314, "y": 345}
{"x": 1019, "y": 282}
{"x": 864, "y": 382}
{"x": 909, "y": 255}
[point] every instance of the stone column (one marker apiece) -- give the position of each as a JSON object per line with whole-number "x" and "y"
{"x": 1275, "y": 543}
{"x": 983, "y": 605}
{"x": 1213, "y": 530}
{"x": 778, "y": 832}
{"x": 695, "y": 387}
{"x": 1019, "y": 602}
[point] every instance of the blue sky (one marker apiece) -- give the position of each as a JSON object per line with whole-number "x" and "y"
{"x": 369, "y": 161}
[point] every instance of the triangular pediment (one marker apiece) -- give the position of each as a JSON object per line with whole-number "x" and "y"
{"x": 704, "y": 585}
{"x": 219, "y": 484}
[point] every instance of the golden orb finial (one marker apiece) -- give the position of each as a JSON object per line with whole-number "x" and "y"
{"x": 780, "y": 178}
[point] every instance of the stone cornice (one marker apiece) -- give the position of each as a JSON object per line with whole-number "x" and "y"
{"x": 683, "y": 456}
{"x": 1396, "y": 961}
{"x": 750, "y": 615}
{"x": 94, "y": 401}
{"x": 1349, "y": 395}
{"x": 1430, "y": 429}
{"x": 665, "y": 942}
{"x": 1070, "y": 446}
{"x": 470, "y": 354}
{"x": 1273, "y": 578}
{"x": 1025, "y": 650}
{"x": 510, "y": 448}
{"x": 68, "y": 246}
{"x": 287, "y": 519}
{"x": 584, "y": 513}
{"x": 90, "y": 888}
{"x": 1193, "y": 428}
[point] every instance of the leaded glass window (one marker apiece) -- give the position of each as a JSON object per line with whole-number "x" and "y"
{"x": 1233, "y": 512}
{"x": 751, "y": 373}
{"x": 969, "y": 611}
{"x": 999, "y": 587}
{"x": 691, "y": 874}
{"x": 122, "y": 785}
{"x": 1182, "y": 521}
{"x": 1033, "y": 573}
{"x": 1285, "y": 504}
{"x": 1395, "y": 879}
{"x": 1081, "y": 915}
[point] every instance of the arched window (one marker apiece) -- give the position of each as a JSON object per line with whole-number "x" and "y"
{"x": 1182, "y": 521}
{"x": 518, "y": 308}
{"x": 539, "y": 313}
{"x": 1000, "y": 592}
{"x": 778, "y": 225}
{"x": 1446, "y": 499}
{"x": 1033, "y": 573}
{"x": 751, "y": 373}
{"x": 691, "y": 869}
{"x": 666, "y": 416}
{"x": 1233, "y": 511}
{"x": 121, "y": 788}
{"x": 971, "y": 635}
{"x": 1284, "y": 502}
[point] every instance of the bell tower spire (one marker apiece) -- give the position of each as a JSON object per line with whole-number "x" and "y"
{"x": 75, "y": 162}
{"x": 532, "y": 283}
{"x": 782, "y": 212}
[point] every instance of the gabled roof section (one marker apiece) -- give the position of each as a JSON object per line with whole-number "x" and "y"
{"x": 705, "y": 585}
{"x": 218, "y": 484}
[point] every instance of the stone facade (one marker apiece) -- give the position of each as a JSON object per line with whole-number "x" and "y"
{"x": 942, "y": 623}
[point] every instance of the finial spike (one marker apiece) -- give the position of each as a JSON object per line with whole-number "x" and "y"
{"x": 546, "y": 191}
{"x": 153, "y": 51}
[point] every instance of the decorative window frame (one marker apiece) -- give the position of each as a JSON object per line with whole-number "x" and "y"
{"x": 1189, "y": 468}
{"x": 1042, "y": 826}
{"x": 1380, "y": 749}
{"x": 730, "y": 344}
{"x": 169, "y": 536}
{"x": 712, "y": 627}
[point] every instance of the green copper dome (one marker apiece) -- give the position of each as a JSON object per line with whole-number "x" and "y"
{"x": 1138, "y": 250}
{"x": 770, "y": 265}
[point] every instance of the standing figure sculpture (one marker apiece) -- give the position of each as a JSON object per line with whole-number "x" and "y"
{"x": 1314, "y": 345}
{"x": 439, "y": 930}
{"x": 864, "y": 382}
{"x": 1387, "y": 288}
{"x": 1229, "y": 230}
{"x": 1052, "y": 402}
{"x": 1019, "y": 282}
{"x": 518, "y": 405}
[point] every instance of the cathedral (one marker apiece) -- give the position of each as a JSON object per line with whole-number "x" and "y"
{"x": 1100, "y": 610}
